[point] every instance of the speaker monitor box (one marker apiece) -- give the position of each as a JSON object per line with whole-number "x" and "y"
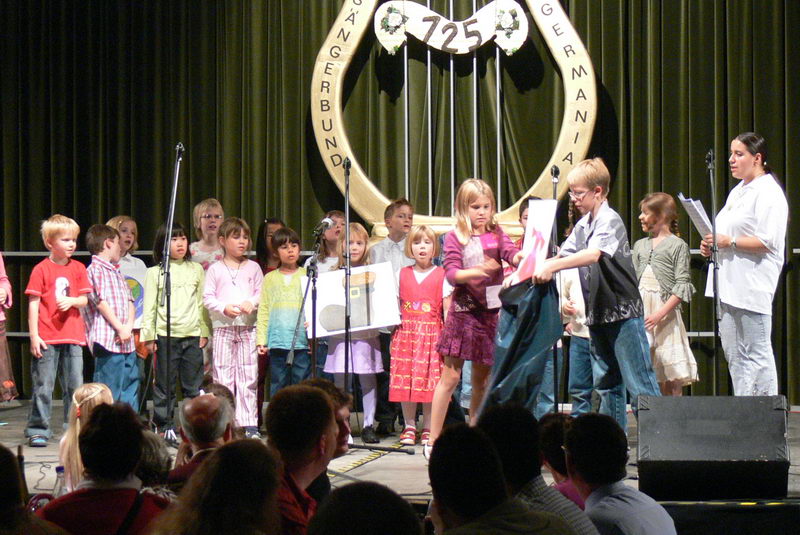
{"x": 713, "y": 448}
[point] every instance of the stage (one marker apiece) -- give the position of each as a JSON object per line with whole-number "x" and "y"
{"x": 407, "y": 475}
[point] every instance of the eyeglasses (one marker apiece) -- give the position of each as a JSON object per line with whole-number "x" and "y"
{"x": 577, "y": 196}
{"x": 211, "y": 216}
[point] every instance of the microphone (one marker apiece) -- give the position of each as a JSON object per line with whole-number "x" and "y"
{"x": 346, "y": 163}
{"x": 323, "y": 225}
{"x": 710, "y": 159}
{"x": 555, "y": 172}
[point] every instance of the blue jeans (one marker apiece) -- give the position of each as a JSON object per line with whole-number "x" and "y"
{"x": 621, "y": 356}
{"x": 281, "y": 375}
{"x": 322, "y": 356}
{"x": 118, "y": 371}
{"x": 545, "y": 401}
{"x": 68, "y": 358}
{"x": 580, "y": 382}
{"x": 465, "y": 394}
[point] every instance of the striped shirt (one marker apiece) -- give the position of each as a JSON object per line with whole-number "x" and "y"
{"x": 537, "y": 496}
{"x": 108, "y": 285}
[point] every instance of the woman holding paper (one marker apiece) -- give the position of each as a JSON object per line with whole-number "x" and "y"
{"x": 751, "y": 235}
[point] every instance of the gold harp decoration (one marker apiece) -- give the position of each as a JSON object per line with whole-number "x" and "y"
{"x": 327, "y": 97}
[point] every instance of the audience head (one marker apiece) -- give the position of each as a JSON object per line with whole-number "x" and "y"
{"x": 552, "y": 428}
{"x": 207, "y": 217}
{"x": 233, "y": 490}
{"x": 155, "y": 462}
{"x": 301, "y": 426}
{"x": 519, "y": 451}
{"x": 102, "y": 238}
{"x": 84, "y": 400}
{"x": 342, "y": 403}
{"x": 596, "y": 450}
{"x": 465, "y": 474}
{"x": 13, "y": 493}
{"x": 364, "y": 508}
{"x": 161, "y": 237}
{"x": 111, "y": 442}
{"x": 206, "y": 421}
{"x": 128, "y": 232}
{"x": 56, "y": 226}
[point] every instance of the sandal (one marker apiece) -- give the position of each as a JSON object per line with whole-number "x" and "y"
{"x": 37, "y": 441}
{"x": 409, "y": 436}
{"x": 425, "y": 437}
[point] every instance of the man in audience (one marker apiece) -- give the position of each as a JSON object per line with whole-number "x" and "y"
{"x": 469, "y": 492}
{"x": 321, "y": 487}
{"x": 301, "y": 427}
{"x": 597, "y": 453}
{"x": 206, "y": 424}
{"x": 108, "y": 500}
{"x": 521, "y": 458}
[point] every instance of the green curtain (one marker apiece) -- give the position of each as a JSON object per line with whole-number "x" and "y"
{"x": 95, "y": 95}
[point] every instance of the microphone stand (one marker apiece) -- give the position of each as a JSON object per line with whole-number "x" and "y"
{"x": 715, "y": 274}
{"x": 166, "y": 296}
{"x": 347, "y": 267}
{"x": 554, "y": 174}
{"x": 311, "y": 282}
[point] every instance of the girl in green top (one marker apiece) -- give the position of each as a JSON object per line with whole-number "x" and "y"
{"x": 662, "y": 267}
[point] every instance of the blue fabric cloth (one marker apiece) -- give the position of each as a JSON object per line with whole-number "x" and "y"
{"x": 118, "y": 371}
{"x": 281, "y": 375}
{"x": 618, "y": 509}
{"x": 580, "y": 381}
{"x": 66, "y": 358}
{"x": 529, "y": 325}
{"x": 621, "y": 358}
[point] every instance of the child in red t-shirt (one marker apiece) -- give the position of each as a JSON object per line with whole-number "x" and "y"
{"x": 58, "y": 288}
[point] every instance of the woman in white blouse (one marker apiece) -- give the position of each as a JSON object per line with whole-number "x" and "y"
{"x": 751, "y": 236}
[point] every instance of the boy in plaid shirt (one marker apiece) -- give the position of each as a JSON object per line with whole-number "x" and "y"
{"x": 109, "y": 317}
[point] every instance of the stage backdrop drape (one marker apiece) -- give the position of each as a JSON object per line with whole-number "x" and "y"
{"x": 95, "y": 95}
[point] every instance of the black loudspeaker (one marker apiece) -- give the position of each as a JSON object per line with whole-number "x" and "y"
{"x": 713, "y": 448}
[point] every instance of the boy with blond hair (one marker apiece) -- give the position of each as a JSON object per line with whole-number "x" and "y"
{"x": 599, "y": 247}
{"x": 109, "y": 317}
{"x": 57, "y": 289}
{"x": 398, "y": 216}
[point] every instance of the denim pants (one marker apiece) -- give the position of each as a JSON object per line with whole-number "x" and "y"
{"x": 186, "y": 362}
{"x": 580, "y": 381}
{"x": 465, "y": 385}
{"x": 621, "y": 357}
{"x": 68, "y": 358}
{"x": 322, "y": 356}
{"x": 387, "y": 411}
{"x": 545, "y": 401}
{"x": 746, "y": 339}
{"x": 118, "y": 371}
{"x": 281, "y": 375}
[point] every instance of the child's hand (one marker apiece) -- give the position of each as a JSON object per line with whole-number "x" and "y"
{"x": 37, "y": 346}
{"x": 203, "y": 342}
{"x": 652, "y": 320}
{"x": 262, "y": 350}
{"x": 124, "y": 333}
{"x": 568, "y": 328}
{"x": 569, "y": 309}
{"x": 246, "y": 307}
{"x": 232, "y": 311}
{"x": 490, "y": 266}
{"x": 542, "y": 274}
{"x": 64, "y": 303}
{"x": 517, "y": 258}
{"x": 3, "y": 295}
{"x": 150, "y": 347}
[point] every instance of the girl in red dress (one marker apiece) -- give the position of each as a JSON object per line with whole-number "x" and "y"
{"x": 416, "y": 366}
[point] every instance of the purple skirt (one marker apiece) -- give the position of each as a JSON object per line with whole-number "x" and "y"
{"x": 469, "y": 335}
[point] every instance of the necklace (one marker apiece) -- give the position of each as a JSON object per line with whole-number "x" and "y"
{"x": 231, "y": 273}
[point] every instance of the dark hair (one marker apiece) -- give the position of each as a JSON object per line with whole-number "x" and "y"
{"x": 339, "y": 397}
{"x": 395, "y": 205}
{"x": 111, "y": 442}
{"x": 664, "y": 207}
{"x": 234, "y": 489}
{"x": 263, "y": 251}
{"x": 13, "y": 493}
{"x": 161, "y": 236}
{"x": 296, "y": 417}
{"x": 155, "y": 462}
{"x": 524, "y": 205}
{"x": 97, "y": 235}
{"x": 465, "y": 472}
{"x": 519, "y": 451}
{"x": 364, "y": 507}
{"x": 756, "y": 144}
{"x": 284, "y": 235}
{"x": 552, "y": 428}
{"x": 598, "y": 449}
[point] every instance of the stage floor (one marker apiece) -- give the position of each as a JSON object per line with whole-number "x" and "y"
{"x": 405, "y": 474}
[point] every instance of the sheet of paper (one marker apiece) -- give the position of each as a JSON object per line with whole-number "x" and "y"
{"x": 697, "y": 214}
{"x": 541, "y": 215}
